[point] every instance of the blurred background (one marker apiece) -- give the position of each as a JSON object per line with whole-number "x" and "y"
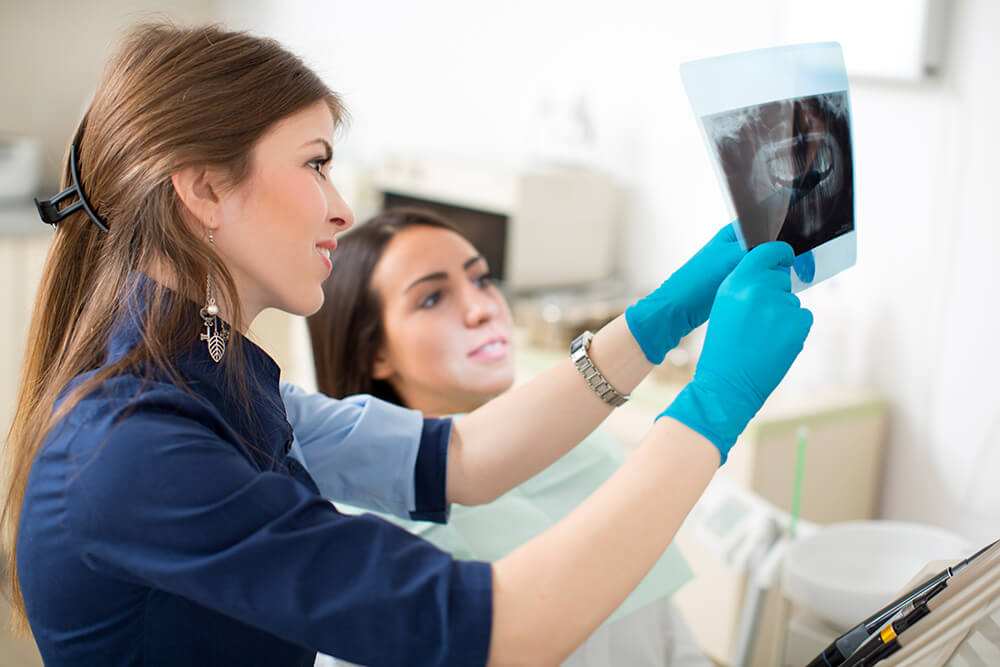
{"x": 572, "y": 113}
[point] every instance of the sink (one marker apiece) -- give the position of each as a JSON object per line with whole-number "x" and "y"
{"x": 845, "y": 572}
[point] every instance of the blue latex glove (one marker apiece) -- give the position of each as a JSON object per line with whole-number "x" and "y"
{"x": 674, "y": 309}
{"x": 756, "y": 329}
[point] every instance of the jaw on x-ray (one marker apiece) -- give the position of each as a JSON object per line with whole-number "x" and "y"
{"x": 788, "y": 167}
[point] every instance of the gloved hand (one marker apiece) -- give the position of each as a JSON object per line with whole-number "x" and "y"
{"x": 756, "y": 329}
{"x": 681, "y": 303}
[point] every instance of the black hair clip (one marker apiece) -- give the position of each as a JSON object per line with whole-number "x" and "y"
{"x": 48, "y": 209}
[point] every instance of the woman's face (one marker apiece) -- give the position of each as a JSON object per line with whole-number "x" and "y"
{"x": 277, "y": 228}
{"x": 448, "y": 330}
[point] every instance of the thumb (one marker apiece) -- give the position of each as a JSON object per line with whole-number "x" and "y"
{"x": 768, "y": 256}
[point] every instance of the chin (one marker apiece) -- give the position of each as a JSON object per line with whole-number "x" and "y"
{"x": 304, "y": 305}
{"x": 499, "y": 386}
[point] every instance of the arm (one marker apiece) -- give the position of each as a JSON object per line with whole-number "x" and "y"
{"x": 366, "y": 452}
{"x": 496, "y": 447}
{"x": 514, "y": 436}
{"x": 614, "y": 537}
{"x": 582, "y": 568}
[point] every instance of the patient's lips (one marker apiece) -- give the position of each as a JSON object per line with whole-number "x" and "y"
{"x": 492, "y": 349}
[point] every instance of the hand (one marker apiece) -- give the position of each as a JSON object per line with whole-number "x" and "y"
{"x": 756, "y": 329}
{"x": 659, "y": 320}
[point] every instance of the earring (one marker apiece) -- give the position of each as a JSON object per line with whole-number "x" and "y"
{"x": 216, "y": 333}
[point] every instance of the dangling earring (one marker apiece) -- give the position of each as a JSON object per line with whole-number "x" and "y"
{"x": 216, "y": 333}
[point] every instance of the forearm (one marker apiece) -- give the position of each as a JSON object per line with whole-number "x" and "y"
{"x": 580, "y": 570}
{"x": 514, "y": 436}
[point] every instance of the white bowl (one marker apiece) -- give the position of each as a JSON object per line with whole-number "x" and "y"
{"x": 847, "y": 571}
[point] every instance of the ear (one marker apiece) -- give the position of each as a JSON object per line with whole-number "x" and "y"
{"x": 199, "y": 188}
{"x": 382, "y": 368}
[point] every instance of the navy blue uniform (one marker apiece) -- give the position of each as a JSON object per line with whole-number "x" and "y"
{"x": 162, "y": 527}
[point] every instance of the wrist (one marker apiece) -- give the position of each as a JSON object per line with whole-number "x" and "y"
{"x": 616, "y": 352}
{"x": 714, "y": 408}
{"x": 657, "y": 322}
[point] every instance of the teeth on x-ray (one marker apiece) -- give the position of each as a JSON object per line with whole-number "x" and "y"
{"x": 788, "y": 167}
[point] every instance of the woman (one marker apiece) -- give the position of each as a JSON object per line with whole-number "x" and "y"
{"x": 445, "y": 346}
{"x": 156, "y": 511}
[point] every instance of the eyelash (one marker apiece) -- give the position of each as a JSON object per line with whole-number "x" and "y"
{"x": 433, "y": 295}
{"x": 318, "y": 165}
{"x": 483, "y": 281}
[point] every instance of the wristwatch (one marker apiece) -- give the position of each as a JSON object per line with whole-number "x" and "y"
{"x": 578, "y": 353}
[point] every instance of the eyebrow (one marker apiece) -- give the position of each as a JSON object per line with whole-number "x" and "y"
{"x": 326, "y": 144}
{"x": 441, "y": 275}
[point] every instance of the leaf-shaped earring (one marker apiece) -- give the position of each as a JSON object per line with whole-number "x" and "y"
{"x": 216, "y": 333}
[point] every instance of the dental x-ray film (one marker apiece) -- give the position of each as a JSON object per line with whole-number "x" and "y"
{"x": 778, "y": 125}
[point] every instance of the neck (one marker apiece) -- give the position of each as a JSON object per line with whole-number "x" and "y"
{"x": 165, "y": 274}
{"x": 440, "y": 406}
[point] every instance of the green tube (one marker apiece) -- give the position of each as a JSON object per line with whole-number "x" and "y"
{"x": 802, "y": 434}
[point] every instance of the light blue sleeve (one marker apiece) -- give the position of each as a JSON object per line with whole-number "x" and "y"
{"x": 359, "y": 450}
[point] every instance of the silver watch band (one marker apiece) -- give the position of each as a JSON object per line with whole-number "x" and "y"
{"x": 578, "y": 353}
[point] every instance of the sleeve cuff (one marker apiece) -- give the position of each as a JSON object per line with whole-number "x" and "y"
{"x": 471, "y": 607}
{"x": 430, "y": 472}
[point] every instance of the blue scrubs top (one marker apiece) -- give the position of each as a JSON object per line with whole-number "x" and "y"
{"x": 170, "y": 527}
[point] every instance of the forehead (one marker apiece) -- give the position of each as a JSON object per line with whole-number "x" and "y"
{"x": 313, "y": 122}
{"x": 418, "y": 251}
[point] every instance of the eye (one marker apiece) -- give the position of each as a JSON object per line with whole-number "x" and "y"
{"x": 485, "y": 280}
{"x": 319, "y": 165}
{"x": 431, "y": 299}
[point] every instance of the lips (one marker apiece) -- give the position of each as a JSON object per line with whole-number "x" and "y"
{"x": 494, "y": 348}
{"x": 324, "y": 249}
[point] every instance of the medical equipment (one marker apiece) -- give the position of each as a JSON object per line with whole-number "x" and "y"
{"x": 778, "y": 125}
{"x": 849, "y": 642}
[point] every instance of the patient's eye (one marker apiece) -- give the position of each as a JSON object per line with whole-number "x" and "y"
{"x": 485, "y": 280}
{"x": 431, "y": 299}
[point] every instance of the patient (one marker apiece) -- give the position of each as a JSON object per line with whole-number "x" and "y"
{"x": 412, "y": 315}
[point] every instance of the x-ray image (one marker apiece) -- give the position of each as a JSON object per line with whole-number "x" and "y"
{"x": 777, "y": 122}
{"x": 788, "y": 167}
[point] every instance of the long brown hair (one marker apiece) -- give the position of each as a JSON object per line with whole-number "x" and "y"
{"x": 347, "y": 331}
{"x": 170, "y": 97}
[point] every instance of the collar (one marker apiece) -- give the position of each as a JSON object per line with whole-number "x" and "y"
{"x": 262, "y": 422}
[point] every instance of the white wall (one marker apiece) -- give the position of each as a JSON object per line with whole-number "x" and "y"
{"x": 52, "y": 53}
{"x": 915, "y": 318}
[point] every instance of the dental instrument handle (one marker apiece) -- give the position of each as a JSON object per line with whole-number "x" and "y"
{"x": 846, "y": 644}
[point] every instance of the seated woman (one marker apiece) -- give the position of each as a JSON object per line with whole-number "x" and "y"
{"x": 413, "y": 316}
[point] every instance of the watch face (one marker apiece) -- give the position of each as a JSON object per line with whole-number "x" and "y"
{"x": 583, "y": 340}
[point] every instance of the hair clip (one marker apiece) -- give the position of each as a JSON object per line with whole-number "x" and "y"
{"x": 48, "y": 209}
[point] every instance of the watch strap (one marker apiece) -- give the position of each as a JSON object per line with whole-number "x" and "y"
{"x": 595, "y": 380}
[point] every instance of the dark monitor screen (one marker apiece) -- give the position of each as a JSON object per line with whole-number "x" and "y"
{"x": 486, "y": 231}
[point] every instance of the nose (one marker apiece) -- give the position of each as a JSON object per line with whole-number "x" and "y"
{"x": 338, "y": 211}
{"x": 479, "y": 307}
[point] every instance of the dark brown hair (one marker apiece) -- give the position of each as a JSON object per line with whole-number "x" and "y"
{"x": 347, "y": 331}
{"x": 169, "y": 98}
